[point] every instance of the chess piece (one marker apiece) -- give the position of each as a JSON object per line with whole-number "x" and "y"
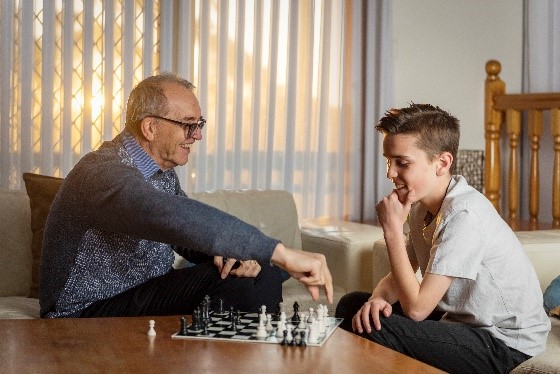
{"x": 220, "y": 310}
{"x": 302, "y": 342}
{"x": 183, "y": 330}
{"x": 295, "y": 317}
{"x": 285, "y": 340}
{"x": 280, "y": 329}
{"x": 269, "y": 326}
{"x": 152, "y": 331}
{"x": 261, "y": 331}
{"x": 289, "y": 336}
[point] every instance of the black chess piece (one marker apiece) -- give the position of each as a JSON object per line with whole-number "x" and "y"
{"x": 231, "y": 315}
{"x": 220, "y": 307}
{"x": 205, "y": 327}
{"x": 234, "y": 323}
{"x": 285, "y": 339}
{"x": 302, "y": 342}
{"x": 183, "y": 330}
{"x": 295, "y": 317}
{"x": 196, "y": 319}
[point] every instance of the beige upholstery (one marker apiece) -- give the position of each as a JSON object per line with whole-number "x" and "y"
{"x": 543, "y": 249}
{"x": 273, "y": 212}
{"x": 15, "y": 244}
{"x": 348, "y": 248}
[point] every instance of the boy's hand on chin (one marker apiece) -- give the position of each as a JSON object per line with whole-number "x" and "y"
{"x": 391, "y": 211}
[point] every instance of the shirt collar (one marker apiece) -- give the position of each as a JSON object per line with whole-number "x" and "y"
{"x": 142, "y": 160}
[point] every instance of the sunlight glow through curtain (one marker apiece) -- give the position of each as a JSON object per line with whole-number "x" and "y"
{"x": 291, "y": 90}
{"x": 71, "y": 66}
{"x": 284, "y": 86}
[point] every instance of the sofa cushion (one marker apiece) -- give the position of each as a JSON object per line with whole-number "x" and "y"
{"x": 543, "y": 249}
{"x": 15, "y": 234}
{"x": 15, "y": 307}
{"x": 548, "y": 361}
{"x": 41, "y": 190}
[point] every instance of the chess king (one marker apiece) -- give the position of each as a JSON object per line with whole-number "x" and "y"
{"x": 121, "y": 215}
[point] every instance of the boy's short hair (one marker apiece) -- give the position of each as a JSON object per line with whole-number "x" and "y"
{"x": 438, "y": 131}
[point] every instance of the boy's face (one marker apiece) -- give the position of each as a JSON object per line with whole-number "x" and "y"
{"x": 409, "y": 169}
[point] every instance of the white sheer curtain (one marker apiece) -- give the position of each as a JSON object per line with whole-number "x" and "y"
{"x": 541, "y": 73}
{"x": 291, "y": 89}
{"x": 67, "y": 67}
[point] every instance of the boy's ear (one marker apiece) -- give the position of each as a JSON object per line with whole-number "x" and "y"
{"x": 445, "y": 160}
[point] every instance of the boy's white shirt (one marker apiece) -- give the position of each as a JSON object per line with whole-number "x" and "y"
{"x": 495, "y": 286}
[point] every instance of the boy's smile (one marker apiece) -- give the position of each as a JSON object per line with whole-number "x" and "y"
{"x": 409, "y": 169}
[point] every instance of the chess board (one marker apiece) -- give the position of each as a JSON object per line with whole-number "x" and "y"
{"x": 220, "y": 328}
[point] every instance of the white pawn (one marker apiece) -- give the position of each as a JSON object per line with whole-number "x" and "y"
{"x": 261, "y": 331}
{"x": 302, "y": 321}
{"x": 290, "y": 336}
{"x": 269, "y": 326}
{"x": 313, "y": 334}
{"x": 280, "y": 329}
{"x": 152, "y": 331}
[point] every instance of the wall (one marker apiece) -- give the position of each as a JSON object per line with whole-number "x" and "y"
{"x": 440, "y": 50}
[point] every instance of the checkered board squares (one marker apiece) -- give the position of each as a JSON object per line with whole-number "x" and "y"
{"x": 220, "y": 328}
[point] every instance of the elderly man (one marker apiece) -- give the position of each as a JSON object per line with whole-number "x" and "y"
{"x": 120, "y": 215}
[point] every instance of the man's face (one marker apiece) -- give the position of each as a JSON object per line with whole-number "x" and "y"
{"x": 171, "y": 146}
{"x": 408, "y": 167}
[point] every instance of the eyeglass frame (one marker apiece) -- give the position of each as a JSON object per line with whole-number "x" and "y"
{"x": 190, "y": 127}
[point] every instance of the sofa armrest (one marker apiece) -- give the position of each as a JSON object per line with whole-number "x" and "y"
{"x": 347, "y": 247}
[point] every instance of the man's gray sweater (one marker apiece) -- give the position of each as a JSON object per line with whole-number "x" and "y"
{"x": 110, "y": 229}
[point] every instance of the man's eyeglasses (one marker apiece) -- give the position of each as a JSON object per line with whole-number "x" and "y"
{"x": 189, "y": 127}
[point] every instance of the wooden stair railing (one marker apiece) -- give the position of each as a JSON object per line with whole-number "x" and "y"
{"x": 497, "y": 103}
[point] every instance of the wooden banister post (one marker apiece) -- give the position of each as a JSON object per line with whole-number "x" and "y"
{"x": 555, "y": 131}
{"x": 493, "y": 86}
{"x": 513, "y": 122}
{"x": 535, "y": 132}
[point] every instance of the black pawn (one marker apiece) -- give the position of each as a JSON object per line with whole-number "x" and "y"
{"x": 183, "y": 330}
{"x": 302, "y": 342}
{"x": 285, "y": 340}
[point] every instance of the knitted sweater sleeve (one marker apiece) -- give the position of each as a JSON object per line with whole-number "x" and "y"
{"x": 104, "y": 193}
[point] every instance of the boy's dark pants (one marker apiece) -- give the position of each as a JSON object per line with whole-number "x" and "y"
{"x": 453, "y": 347}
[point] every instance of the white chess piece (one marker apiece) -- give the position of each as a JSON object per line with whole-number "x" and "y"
{"x": 261, "y": 331}
{"x": 152, "y": 331}
{"x": 280, "y": 329}
{"x": 269, "y": 326}
{"x": 302, "y": 321}
{"x": 290, "y": 336}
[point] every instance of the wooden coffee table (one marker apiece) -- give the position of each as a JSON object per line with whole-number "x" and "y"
{"x": 122, "y": 345}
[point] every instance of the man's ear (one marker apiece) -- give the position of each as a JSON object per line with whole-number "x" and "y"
{"x": 147, "y": 128}
{"x": 445, "y": 160}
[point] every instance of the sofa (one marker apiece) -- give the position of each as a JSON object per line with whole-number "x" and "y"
{"x": 543, "y": 249}
{"x": 347, "y": 245}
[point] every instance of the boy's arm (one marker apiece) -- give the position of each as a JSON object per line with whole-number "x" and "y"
{"x": 417, "y": 300}
{"x": 380, "y": 302}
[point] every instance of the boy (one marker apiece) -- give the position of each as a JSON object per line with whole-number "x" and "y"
{"x": 479, "y": 305}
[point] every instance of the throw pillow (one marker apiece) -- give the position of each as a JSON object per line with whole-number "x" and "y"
{"x": 41, "y": 190}
{"x": 552, "y": 298}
